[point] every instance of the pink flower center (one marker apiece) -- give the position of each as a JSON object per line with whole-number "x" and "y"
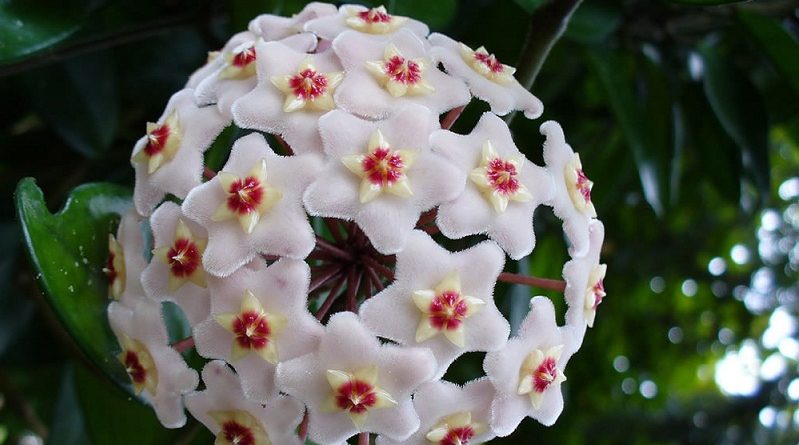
{"x": 156, "y": 140}
{"x": 583, "y": 185}
{"x": 183, "y": 257}
{"x": 252, "y": 330}
{"x": 490, "y": 61}
{"x": 403, "y": 70}
{"x": 374, "y": 15}
{"x": 244, "y": 57}
{"x": 458, "y": 436}
{"x": 308, "y": 84}
{"x": 447, "y": 311}
{"x": 245, "y": 195}
{"x": 503, "y": 176}
{"x": 545, "y": 374}
{"x": 356, "y": 396}
{"x": 237, "y": 434}
{"x": 134, "y": 367}
{"x": 109, "y": 269}
{"x": 383, "y": 167}
{"x": 599, "y": 293}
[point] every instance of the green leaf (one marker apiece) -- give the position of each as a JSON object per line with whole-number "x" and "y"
{"x": 78, "y": 100}
{"x": 652, "y": 169}
{"x": 593, "y": 22}
{"x": 68, "y": 424}
{"x": 705, "y": 2}
{"x": 68, "y": 250}
{"x": 28, "y": 26}
{"x": 437, "y": 14}
{"x": 741, "y": 112}
{"x": 775, "y": 41}
{"x": 529, "y": 5}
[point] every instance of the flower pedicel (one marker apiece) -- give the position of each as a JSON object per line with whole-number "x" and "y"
{"x": 316, "y": 267}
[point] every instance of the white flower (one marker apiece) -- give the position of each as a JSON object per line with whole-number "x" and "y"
{"x": 274, "y": 27}
{"x": 584, "y": 277}
{"x": 353, "y": 384}
{"x": 125, "y": 261}
{"x": 375, "y": 21}
{"x": 441, "y": 300}
{"x": 503, "y": 190}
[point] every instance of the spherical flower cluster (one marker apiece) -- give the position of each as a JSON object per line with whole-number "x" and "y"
{"x": 312, "y": 268}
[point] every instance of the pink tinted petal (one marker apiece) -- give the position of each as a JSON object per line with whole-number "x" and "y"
{"x": 329, "y": 27}
{"x": 272, "y": 27}
{"x": 129, "y": 236}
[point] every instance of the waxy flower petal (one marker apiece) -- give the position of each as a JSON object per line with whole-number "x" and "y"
{"x": 192, "y": 129}
{"x": 176, "y": 272}
{"x": 383, "y": 74}
{"x": 126, "y": 261}
{"x": 568, "y": 202}
{"x": 503, "y": 191}
{"x": 488, "y": 79}
{"x": 584, "y": 278}
{"x": 441, "y": 300}
{"x": 259, "y": 318}
{"x": 281, "y": 227}
{"x": 527, "y": 382}
{"x": 351, "y": 360}
{"x": 157, "y": 371}
{"x": 386, "y": 218}
{"x": 294, "y": 90}
{"x": 224, "y": 410}
{"x": 274, "y": 27}
{"x": 375, "y": 21}
{"x": 451, "y": 412}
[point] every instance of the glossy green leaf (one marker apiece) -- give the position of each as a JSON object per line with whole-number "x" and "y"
{"x": 28, "y": 26}
{"x": 68, "y": 250}
{"x": 775, "y": 41}
{"x": 651, "y": 168}
{"x": 529, "y": 5}
{"x": 740, "y": 110}
{"x": 437, "y": 14}
{"x": 78, "y": 100}
{"x": 594, "y": 21}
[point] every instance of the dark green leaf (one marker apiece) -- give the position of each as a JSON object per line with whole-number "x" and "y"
{"x": 68, "y": 425}
{"x": 529, "y": 5}
{"x": 594, "y": 22}
{"x": 16, "y": 311}
{"x": 739, "y": 108}
{"x": 705, "y": 2}
{"x": 775, "y": 41}
{"x": 68, "y": 251}
{"x": 78, "y": 100}
{"x": 28, "y": 26}
{"x": 437, "y": 14}
{"x": 651, "y": 168}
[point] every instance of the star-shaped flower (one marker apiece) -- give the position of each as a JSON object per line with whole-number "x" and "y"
{"x": 281, "y": 227}
{"x": 259, "y": 318}
{"x": 383, "y": 74}
{"x": 503, "y": 189}
{"x": 293, "y": 90}
{"x": 176, "y": 272}
{"x": 488, "y": 79}
{"x": 234, "y": 420}
{"x": 374, "y": 21}
{"x": 169, "y": 158}
{"x": 584, "y": 277}
{"x": 528, "y": 371}
{"x": 571, "y": 201}
{"x": 125, "y": 261}
{"x": 441, "y": 300}
{"x": 451, "y": 414}
{"x": 235, "y": 77}
{"x": 274, "y": 27}
{"x": 349, "y": 383}
{"x": 157, "y": 371}
{"x": 386, "y": 218}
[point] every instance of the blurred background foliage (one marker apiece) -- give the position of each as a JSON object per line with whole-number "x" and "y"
{"x": 686, "y": 116}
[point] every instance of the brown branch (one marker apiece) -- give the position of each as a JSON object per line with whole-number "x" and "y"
{"x": 331, "y": 298}
{"x": 452, "y": 115}
{"x": 283, "y": 144}
{"x": 374, "y": 279}
{"x": 324, "y": 275}
{"x": 208, "y": 173}
{"x": 363, "y": 439}
{"x": 334, "y": 228}
{"x": 325, "y": 245}
{"x": 366, "y": 285}
{"x": 381, "y": 269}
{"x": 353, "y": 281}
{"x": 543, "y": 283}
{"x": 183, "y": 345}
{"x": 427, "y": 217}
{"x": 303, "y": 433}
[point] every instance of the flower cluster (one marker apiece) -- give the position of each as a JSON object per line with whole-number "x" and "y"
{"x": 311, "y": 268}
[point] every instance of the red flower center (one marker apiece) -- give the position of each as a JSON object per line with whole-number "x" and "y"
{"x": 134, "y": 367}
{"x": 245, "y": 195}
{"x": 584, "y": 185}
{"x": 252, "y": 330}
{"x": 374, "y": 15}
{"x": 545, "y": 374}
{"x": 183, "y": 257}
{"x": 356, "y": 396}
{"x": 447, "y": 310}
{"x": 458, "y": 436}
{"x": 490, "y": 61}
{"x": 383, "y": 167}
{"x": 109, "y": 269}
{"x": 403, "y": 70}
{"x": 244, "y": 57}
{"x": 156, "y": 140}
{"x": 599, "y": 293}
{"x": 502, "y": 175}
{"x": 237, "y": 434}
{"x": 308, "y": 84}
